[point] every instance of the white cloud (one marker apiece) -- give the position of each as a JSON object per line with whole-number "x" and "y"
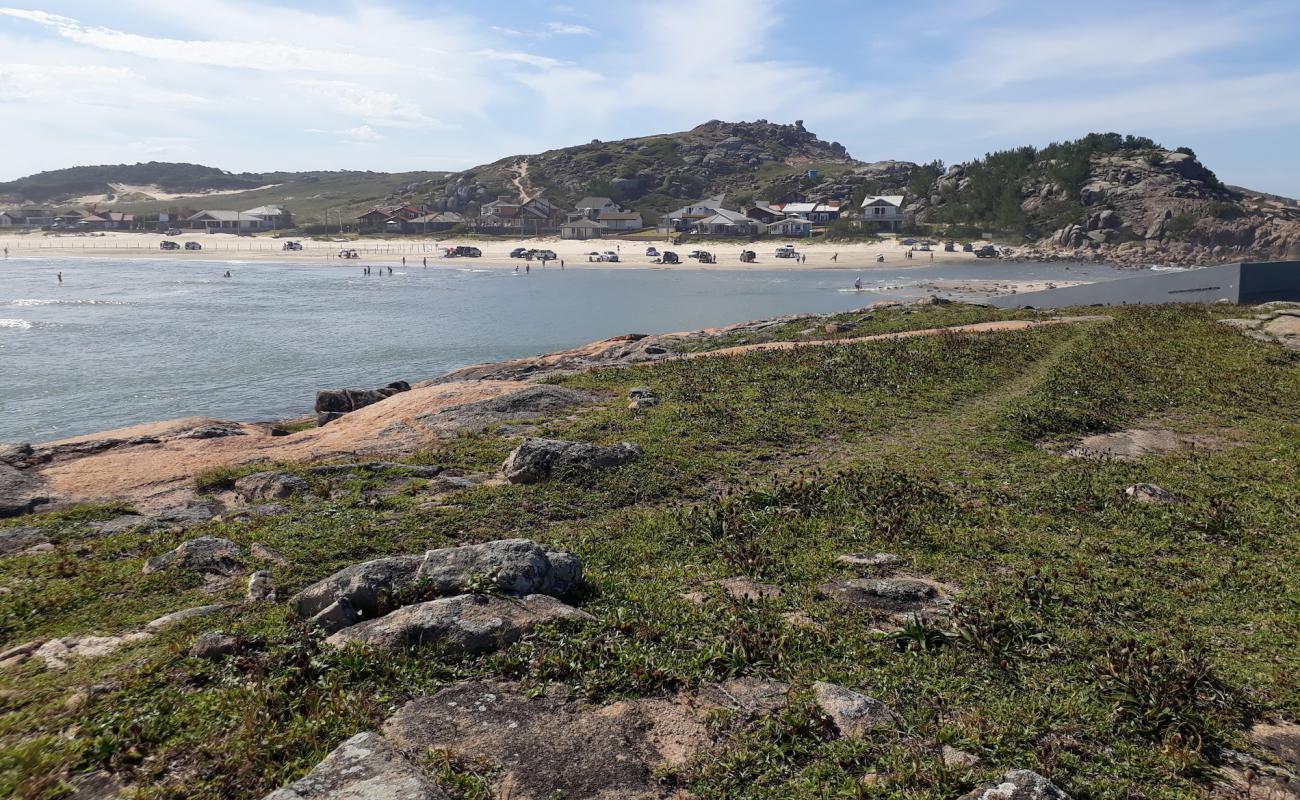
{"x": 254, "y": 55}
{"x": 375, "y": 106}
{"x": 95, "y": 86}
{"x": 542, "y": 62}
{"x": 568, "y": 29}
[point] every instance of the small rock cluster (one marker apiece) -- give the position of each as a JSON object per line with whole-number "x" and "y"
{"x": 439, "y": 597}
{"x": 334, "y": 403}
{"x": 1277, "y": 323}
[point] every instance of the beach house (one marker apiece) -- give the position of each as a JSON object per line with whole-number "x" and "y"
{"x": 581, "y": 228}
{"x": 817, "y": 212}
{"x": 682, "y": 219}
{"x": 885, "y": 212}
{"x": 726, "y": 223}
{"x": 790, "y": 226}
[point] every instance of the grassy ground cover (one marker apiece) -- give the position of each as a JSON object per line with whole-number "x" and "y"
{"x": 1114, "y": 646}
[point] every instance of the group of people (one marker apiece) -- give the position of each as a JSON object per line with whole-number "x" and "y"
{"x": 367, "y": 270}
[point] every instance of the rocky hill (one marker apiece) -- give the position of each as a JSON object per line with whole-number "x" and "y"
{"x": 1109, "y": 197}
{"x": 656, "y": 173}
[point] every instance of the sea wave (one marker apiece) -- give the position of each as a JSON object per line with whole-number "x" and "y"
{"x": 30, "y": 302}
{"x": 19, "y": 324}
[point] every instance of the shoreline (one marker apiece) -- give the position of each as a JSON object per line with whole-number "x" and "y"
{"x": 390, "y": 252}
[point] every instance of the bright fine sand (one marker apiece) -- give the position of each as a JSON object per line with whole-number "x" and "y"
{"x": 496, "y": 252}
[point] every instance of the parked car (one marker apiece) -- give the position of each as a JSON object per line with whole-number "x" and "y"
{"x": 967, "y": 247}
{"x": 908, "y": 242}
{"x": 610, "y": 255}
{"x": 193, "y": 246}
{"x": 694, "y": 254}
{"x": 545, "y": 255}
{"x": 748, "y": 256}
{"x": 708, "y": 258}
{"x": 468, "y": 252}
{"x": 172, "y": 232}
{"x": 921, "y": 248}
{"x": 292, "y": 246}
{"x": 518, "y": 252}
{"x": 346, "y": 253}
{"x": 786, "y": 251}
{"x": 169, "y": 245}
{"x": 987, "y": 251}
{"x": 669, "y": 257}
{"x": 652, "y": 252}
{"x": 949, "y": 247}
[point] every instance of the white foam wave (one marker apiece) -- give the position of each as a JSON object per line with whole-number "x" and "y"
{"x": 19, "y": 324}
{"x": 30, "y": 302}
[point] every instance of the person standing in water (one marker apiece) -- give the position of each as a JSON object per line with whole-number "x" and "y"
{"x": 227, "y": 275}
{"x": 390, "y": 269}
{"x": 528, "y": 268}
{"x": 858, "y": 284}
{"x": 426, "y": 262}
{"x": 403, "y": 260}
{"x": 60, "y": 278}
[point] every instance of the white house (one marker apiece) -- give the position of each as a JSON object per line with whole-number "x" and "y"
{"x": 620, "y": 220}
{"x": 813, "y": 212}
{"x": 726, "y": 223}
{"x": 790, "y": 226}
{"x": 581, "y": 228}
{"x": 884, "y": 211}
{"x": 683, "y": 218}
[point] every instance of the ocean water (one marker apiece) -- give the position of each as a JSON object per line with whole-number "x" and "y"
{"x": 122, "y": 342}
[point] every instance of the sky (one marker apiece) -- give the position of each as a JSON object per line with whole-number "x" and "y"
{"x": 399, "y": 85}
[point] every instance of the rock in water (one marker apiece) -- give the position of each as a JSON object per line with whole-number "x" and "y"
{"x": 854, "y": 715}
{"x": 262, "y": 487}
{"x": 207, "y": 555}
{"x": 365, "y": 766}
{"x": 469, "y": 623}
{"x": 334, "y": 403}
{"x": 1018, "y": 784}
{"x": 537, "y": 460}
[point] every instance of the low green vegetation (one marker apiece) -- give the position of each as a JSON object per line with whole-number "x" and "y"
{"x": 1115, "y": 646}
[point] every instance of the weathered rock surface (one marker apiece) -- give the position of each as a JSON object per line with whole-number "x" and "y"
{"x": 408, "y": 470}
{"x": 264, "y": 487}
{"x": 21, "y": 492}
{"x": 640, "y": 397}
{"x": 334, "y": 403}
{"x": 469, "y": 623}
{"x": 853, "y": 714}
{"x": 261, "y": 587}
{"x": 1150, "y": 493}
{"x": 1018, "y": 784}
{"x": 16, "y": 540}
{"x": 120, "y": 524}
{"x": 176, "y": 617}
{"x": 526, "y": 404}
{"x": 900, "y": 597}
{"x": 552, "y": 745}
{"x": 869, "y": 560}
{"x": 206, "y": 555}
{"x": 1135, "y": 443}
{"x": 514, "y": 566}
{"x": 537, "y": 460}
{"x": 214, "y": 646}
{"x": 365, "y": 767}
{"x": 367, "y": 587}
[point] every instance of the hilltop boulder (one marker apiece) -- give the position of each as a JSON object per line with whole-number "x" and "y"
{"x": 206, "y": 555}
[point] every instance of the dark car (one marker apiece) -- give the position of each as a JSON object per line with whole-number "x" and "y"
{"x": 519, "y": 252}
{"x": 192, "y": 246}
{"x": 292, "y": 246}
{"x": 169, "y": 245}
{"x": 468, "y": 252}
{"x": 987, "y": 251}
{"x": 669, "y": 257}
{"x": 172, "y": 232}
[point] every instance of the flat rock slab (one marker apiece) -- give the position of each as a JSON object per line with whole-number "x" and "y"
{"x": 552, "y": 745}
{"x": 900, "y": 596}
{"x": 1128, "y": 445}
{"x": 365, "y": 767}
{"x": 869, "y": 561}
{"x": 530, "y": 403}
{"x": 16, "y": 540}
{"x": 1018, "y": 784}
{"x": 1281, "y": 739}
{"x": 1150, "y": 493}
{"x": 470, "y": 623}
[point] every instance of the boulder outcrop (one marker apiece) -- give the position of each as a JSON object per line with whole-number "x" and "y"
{"x": 365, "y": 766}
{"x": 334, "y": 403}
{"x": 537, "y": 460}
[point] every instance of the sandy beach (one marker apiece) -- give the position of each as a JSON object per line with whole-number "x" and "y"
{"x": 217, "y": 246}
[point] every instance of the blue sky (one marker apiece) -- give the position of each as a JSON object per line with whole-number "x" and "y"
{"x": 401, "y": 85}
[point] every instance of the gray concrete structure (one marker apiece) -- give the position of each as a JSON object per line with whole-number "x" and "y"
{"x": 1245, "y": 283}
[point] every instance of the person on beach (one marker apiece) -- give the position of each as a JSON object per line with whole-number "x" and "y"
{"x": 858, "y": 284}
{"x": 528, "y": 268}
{"x": 426, "y": 262}
{"x": 561, "y": 263}
{"x": 931, "y": 255}
{"x": 835, "y": 257}
{"x": 403, "y": 260}
{"x": 6, "y": 252}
